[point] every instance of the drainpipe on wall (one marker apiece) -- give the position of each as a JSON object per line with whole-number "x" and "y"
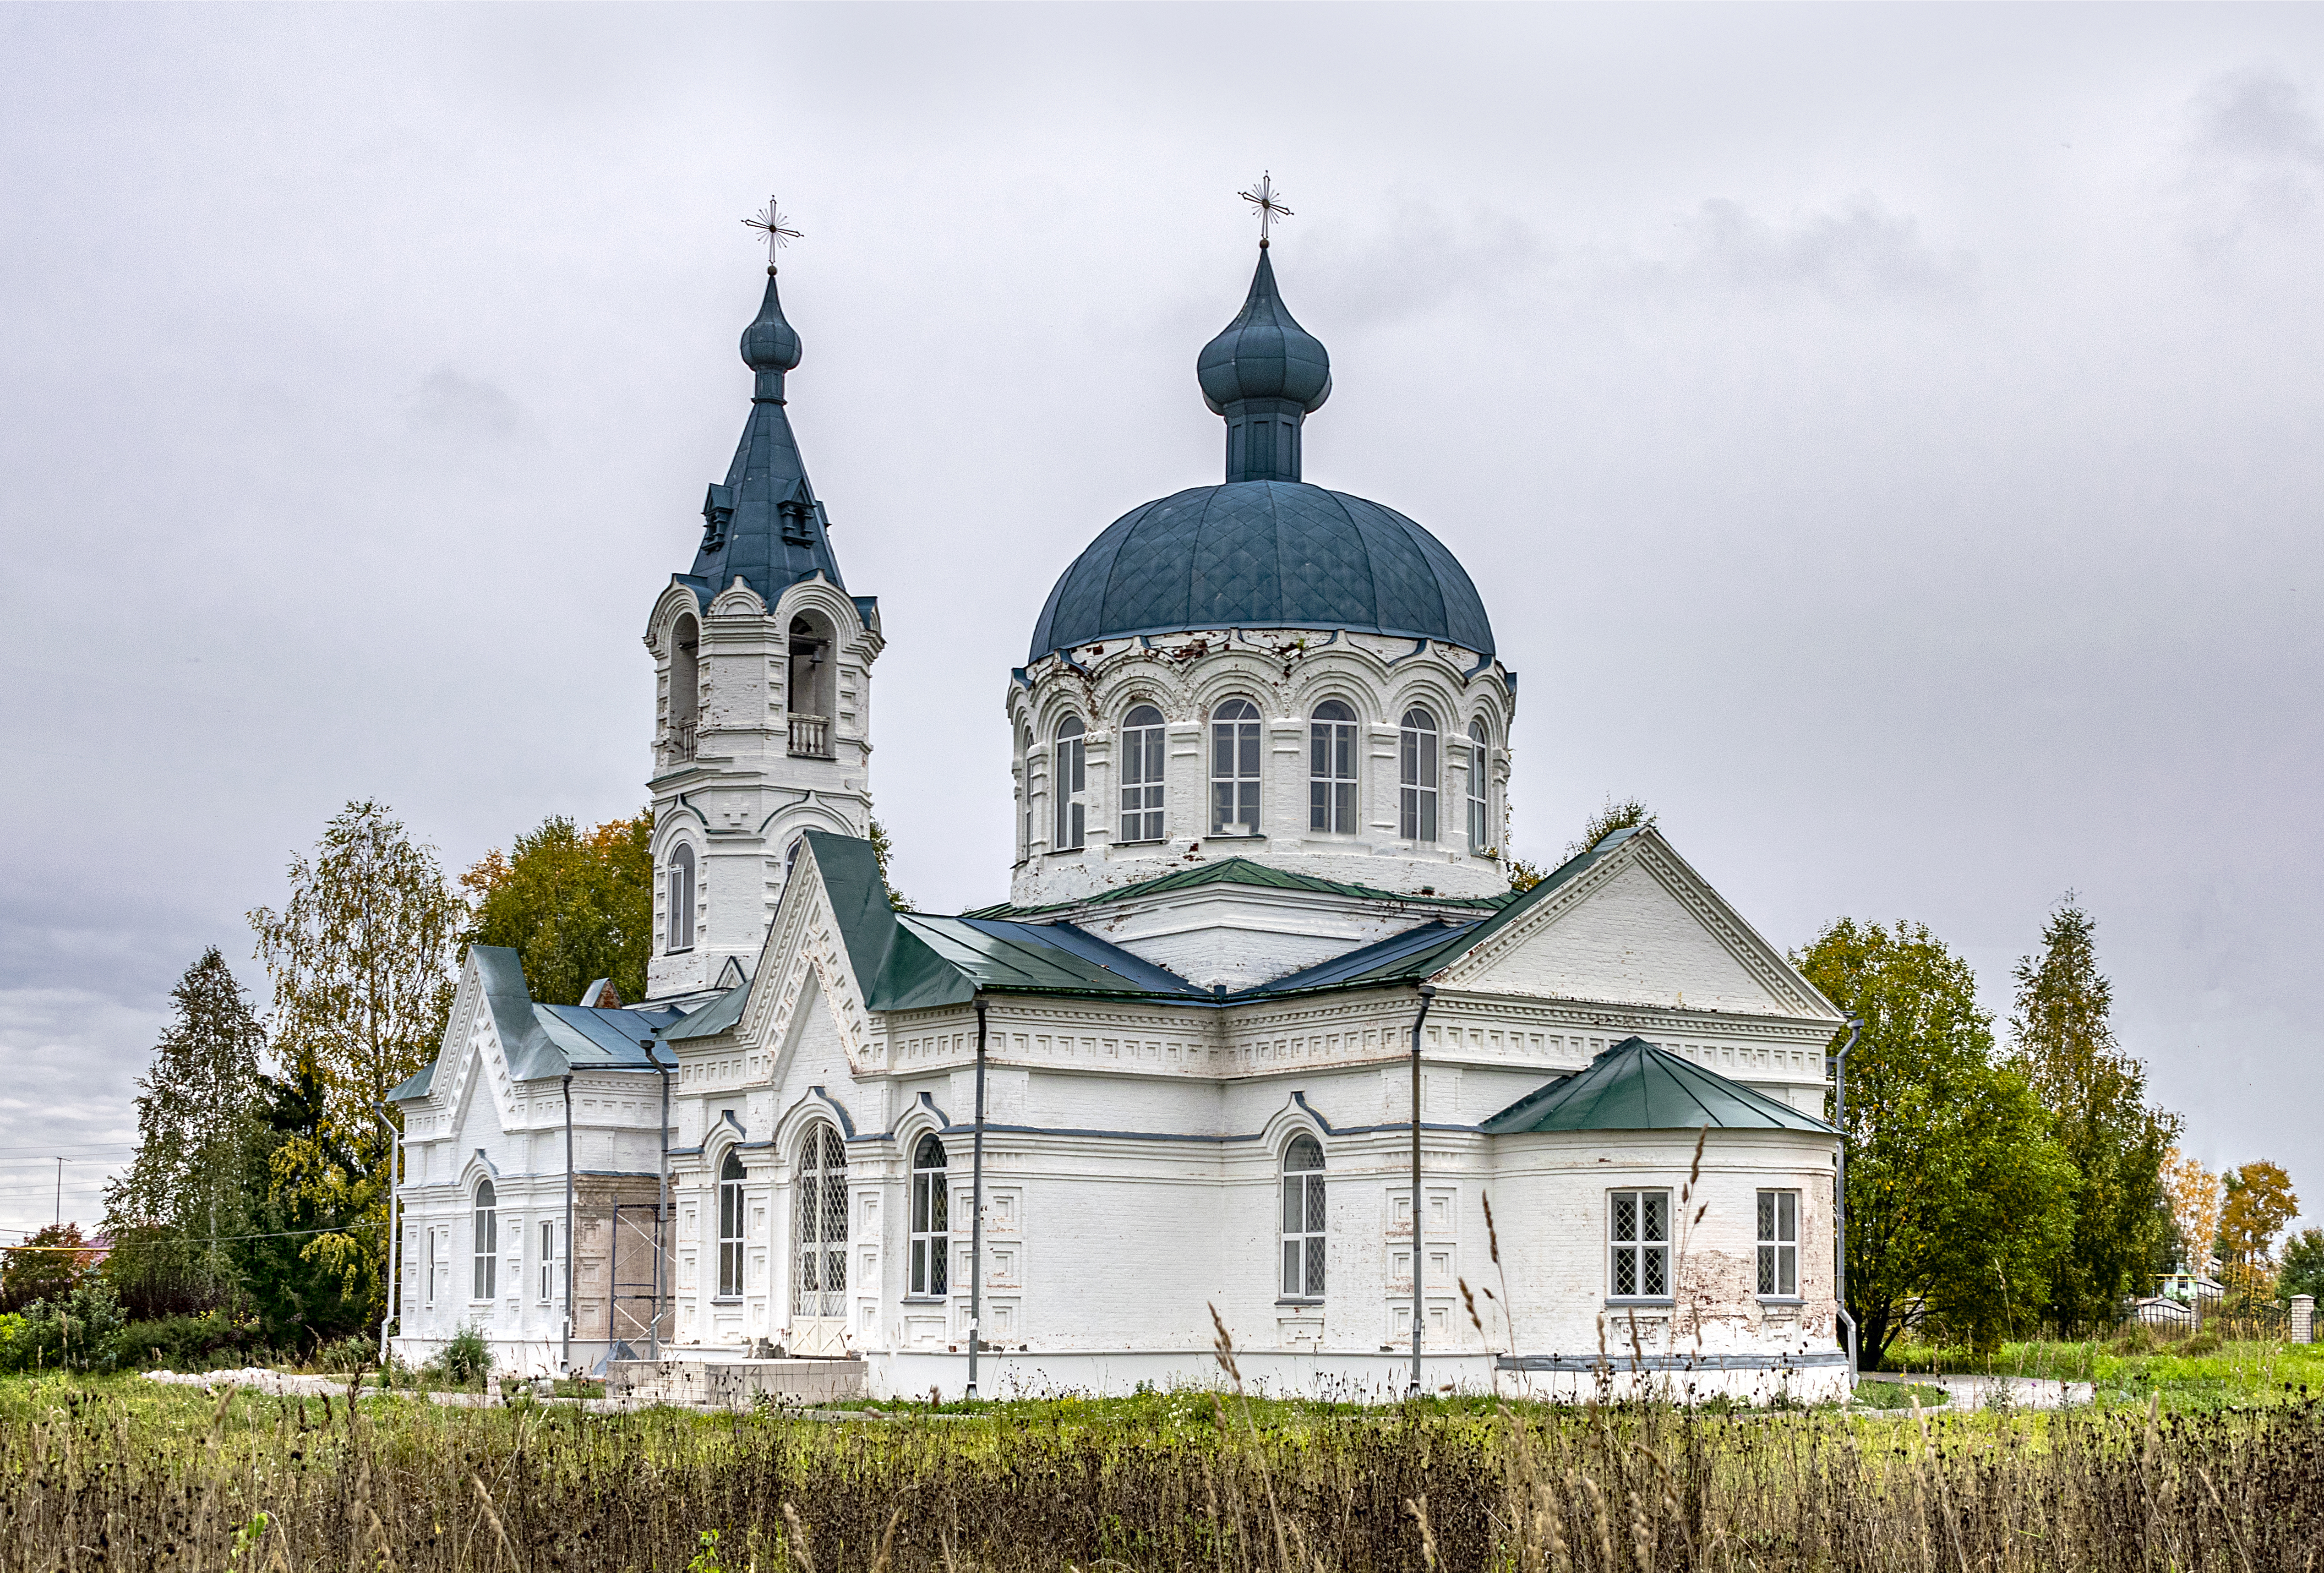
{"x": 661, "y": 1201}
{"x": 394, "y": 1234}
{"x": 1419, "y": 1261}
{"x": 564, "y": 1354}
{"x": 1839, "y": 1190}
{"x": 976, "y": 1210}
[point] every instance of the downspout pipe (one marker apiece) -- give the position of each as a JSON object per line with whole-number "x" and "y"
{"x": 1839, "y": 1190}
{"x": 976, "y": 1210}
{"x": 565, "y": 1352}
{"x": 661, "y": 1201}
{"x": 394, "y": 1234}
{"x": 1419, "y": 1230}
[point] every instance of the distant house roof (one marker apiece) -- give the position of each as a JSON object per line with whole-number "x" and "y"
{"x": 1637, "y": 1085}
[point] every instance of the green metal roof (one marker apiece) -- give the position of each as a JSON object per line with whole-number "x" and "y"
{"x": 1243, "y": 871}
{"x": 1637, "y": 1085}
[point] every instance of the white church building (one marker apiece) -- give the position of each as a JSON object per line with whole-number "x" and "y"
{"x": 1262, "y": 1031}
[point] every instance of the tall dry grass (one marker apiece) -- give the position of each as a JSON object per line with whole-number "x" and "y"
{"x": 98, "y": 1480}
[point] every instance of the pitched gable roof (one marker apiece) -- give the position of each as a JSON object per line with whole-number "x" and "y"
{"x": 1242, "y": 871}
{"x": 1637, "y": 1085}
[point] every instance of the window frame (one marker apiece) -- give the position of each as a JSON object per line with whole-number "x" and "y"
{"x": 1419, "y": 775}
{"x": 1303, "y": 1254}
{"x": 732, "y": 1177}
{"x": 484, "y": 1243}
{"x": 1334, "y": 799}
{"x": 548, "y": 1258}
{"x": 928, "y": 1273}
{"x": 1777, "y": 1257}
{"x": 679, "y": 899}
{"x": 816, "y": 1251}
{"x": 1141, "y": 773}
{"x": 1069, "y": 784}
{"x": 1238, "y": 729}
{"x": 1481, "y": 791}
{"x": 1638, "y": 1247}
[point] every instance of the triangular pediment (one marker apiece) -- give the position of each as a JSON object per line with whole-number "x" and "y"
{"x": 1638, "y": 927}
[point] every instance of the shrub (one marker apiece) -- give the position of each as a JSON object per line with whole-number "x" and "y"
{"x": 187, "y": 1343}
{"x": 2200, "y": 1344}
{"x": 76, "y": 1332}
{"x": 355, "y": 1352}
{"x": 467, "y": 1358}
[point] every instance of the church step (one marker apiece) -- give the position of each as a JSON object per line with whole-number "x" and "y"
{"x": 735, "y": 1383}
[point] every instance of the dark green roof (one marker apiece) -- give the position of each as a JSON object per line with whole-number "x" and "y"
{"x": 1637, "y": 1085}
{"x": 1243, "y": 871}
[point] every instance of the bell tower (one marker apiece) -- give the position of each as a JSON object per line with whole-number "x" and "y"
{"x": 762, "y": 669}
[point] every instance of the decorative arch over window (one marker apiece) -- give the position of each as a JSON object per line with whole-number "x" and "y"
{"x": 1142, "y": 753}
{"x": 931, "y": 1218}
{"x": 1303, "y": 1219}
{"x": 730, "y": 1225}
{"x": 1416, "y": 813}
{"x": 485, "y": 1239}
{"x": 1068, "y": 779}
{"x": 1234, "y": 769}
{"x": 679, "y": 897}
{"x": 1332, "y": 769}
{"x": 820, "y": 1282}
{"x": 1481, "y": 779}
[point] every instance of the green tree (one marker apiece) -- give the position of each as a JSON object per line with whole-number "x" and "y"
{"x": 291, "y": 1171}
{"x": 1609, "y": 818}
{"x": 2303, "y": 1264}
{"x": 2097, "y": 1098}
{"x": 48, "y": 1266}
{"x": 361, "y": 961}
{"x": 185, "y": 1190}
{"x": 1958, "y": 1199}
{"x": 575, "y": 905}
{"x": 882, "y": 849}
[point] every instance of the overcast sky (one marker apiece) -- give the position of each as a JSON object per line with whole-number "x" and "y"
{"x": 1886, "y": 439}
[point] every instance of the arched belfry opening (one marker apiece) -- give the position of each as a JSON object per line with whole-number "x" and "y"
{"x": 811, "y": 686}
{"x": 684, "y": 685}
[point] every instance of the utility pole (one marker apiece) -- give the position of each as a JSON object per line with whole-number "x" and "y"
{"x": 60, "y": 1193}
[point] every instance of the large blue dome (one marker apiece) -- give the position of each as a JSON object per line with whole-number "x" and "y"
{"x": 1263, "y": 554}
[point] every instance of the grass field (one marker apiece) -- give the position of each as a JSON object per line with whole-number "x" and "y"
{"x": 2223, "y": 1373}
{"x": 117, "y": 1473}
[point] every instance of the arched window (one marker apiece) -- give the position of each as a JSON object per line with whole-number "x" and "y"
{"x": 810, "y": 683}
{"x": 1141, "y": 774}
{"x": 729, "y": 1226}
{"x": 1480, "y": 755}
{"x": 685, "y": 689}
{"x": 486, "y": 1239}
{"x": 1416, "y": 813}
{"x": 1234, "y": 769}
{"x": 931, "y": 1218}
{"x": 1068, "y": 777}
{"x": 821, "y": 1281}
{"x": 1303, "y": 1219}
{"x": 790, "y": 855}
{"x": 1023, "y": 797}
{"x": 1332, "y": 769}
{"x": 680, "y": 897}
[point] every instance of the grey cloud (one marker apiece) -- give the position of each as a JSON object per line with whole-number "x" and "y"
{"x": 449, "y": 403}
{"x": 2254, "y": 157}
{"x": 1857, "y": 250}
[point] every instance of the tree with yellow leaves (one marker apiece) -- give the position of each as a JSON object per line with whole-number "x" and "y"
{"x": 2194, "y": 1196}
{"x": 2259, "y": 1203}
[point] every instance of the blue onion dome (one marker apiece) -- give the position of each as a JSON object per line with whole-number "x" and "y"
{"x": 1263, "y": 554}
{"x": 770, "y": 346}
{"x": 1264, "y": 354}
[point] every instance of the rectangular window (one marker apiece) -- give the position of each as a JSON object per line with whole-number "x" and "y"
{"x": 1779, "y": 1243}
{"x": 1142, "y": 755}
{"x": 1417, "y": 798}
{"x": 1071, "y": 778}
{"x": 1331, "y": 770}
{"x": 435, "y": 1279}
{"x": 548, "y": 1262}
{"x": 1480, "y": 832}
{"x": 1234, "y": 769}
{"x": 1639, "y": 1237}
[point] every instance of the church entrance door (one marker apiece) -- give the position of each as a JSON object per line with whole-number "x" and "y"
{"x": 819, "y": 1262}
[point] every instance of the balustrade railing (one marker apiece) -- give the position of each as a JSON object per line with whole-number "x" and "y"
{"x": 811, "y": 737}
{"x": 678, "y": 743}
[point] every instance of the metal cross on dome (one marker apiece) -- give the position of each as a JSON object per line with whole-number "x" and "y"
{"x": 1266, "y": 204}
{"x": 776, "y": 223}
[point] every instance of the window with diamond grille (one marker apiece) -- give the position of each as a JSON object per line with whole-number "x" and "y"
{"x": 1068, "y": 777}
{"x": 1234, "y": 769}
{"x": 1416, "y": 776}
{"x": 1303, "y": 1219}
{"x": 1481, "y": 751}
{"x": 729, "y": 1226}
{"x": 1779, "y": 1243}
{"x": 820, "y": 1285}
{"x": 1640, "y": 1231}
{"x": 487, "y": 1242}
{"x": 931, "y": 1219}
{"x": 1141, "y": 755}
{"x": 1332, "y": 769}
